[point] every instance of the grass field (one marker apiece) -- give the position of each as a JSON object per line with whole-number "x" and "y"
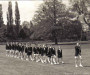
{"x": 13, "y": 66}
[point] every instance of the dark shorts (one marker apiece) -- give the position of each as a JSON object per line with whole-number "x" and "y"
{"x": 49, "y": 55}
{"x": 29, "y": 53}
{"x": 22, "y": 51}
{"x": 42, "y": 54}
{"x": 60, "y": 56}
{"x": 77, "y": 54}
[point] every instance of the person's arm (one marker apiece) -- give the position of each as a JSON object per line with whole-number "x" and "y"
{"x": 80, "y": 50}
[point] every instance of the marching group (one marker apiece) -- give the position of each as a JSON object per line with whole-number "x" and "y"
{"x": 39, "y": 53}
{"x": 25, "y": 51}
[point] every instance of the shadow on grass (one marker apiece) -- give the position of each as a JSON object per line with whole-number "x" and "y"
{"x": 63, "y": 63}
{"x": 86, "y": 66}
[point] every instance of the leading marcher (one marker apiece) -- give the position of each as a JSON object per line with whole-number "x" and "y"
{"x": 78, "y": 55}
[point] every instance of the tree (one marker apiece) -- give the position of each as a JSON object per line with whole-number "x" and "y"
{"x": 26, "y": 27}
{"x": 1, "y": 18}
{"x": 10, "y": 31}
{"x": 17, "y": 18}
{"x": 31, "y": 24}
{"x": 50, "y": 11}
{"x": 81, "y": 7}
{"x": 22, "y": 34}
{"x": 25, "y": 24}
{"x": 31, "y": 28}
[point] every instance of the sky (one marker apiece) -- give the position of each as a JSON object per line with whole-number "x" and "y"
{"x": 27, "y": 8}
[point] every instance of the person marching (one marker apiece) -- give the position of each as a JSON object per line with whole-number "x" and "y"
{"x": 39, "y": 49}
{"x": 78, "y": 55}
{"x": 35, "y": 52}
{"x": 59, "y": 54}
{"x": 14, "y": 47}
{"x": 44, "y": 52}
{"x": 50, "y": 54}
{"x": 7, "y": 49}
{"x": 53, "y": 57}
{"x": 26, "y": 49}
{"x": 39, "y": 53}
{"x": 16, "y": 51}
{"x": 22, "y": 51}
{"x": 29, "y": 52}
{"x": 11, "y": 50}
{"x": 19, "y": 50}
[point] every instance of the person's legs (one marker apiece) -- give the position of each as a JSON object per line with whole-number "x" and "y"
{"x": 17, "y": 53}
{"x": 13, "y": 53}
{"x": 76, "y": 61}
{"x": 54, "y": 59}
{"x": 45, "y": 59}
{"x": 31, "y": 57}
{"x": 10, "y": 53}
{"x": 58, "y": 60}
{"x": 80, "y": 61}
{"x": 22, "y": 56}
{"x": 38, "y": 58}
{"x": 6, "y": 53}
{"x": 27, "y": 57}
{"x": 42, "y": 58}
{"x": 48, "y": 59}
{"x": 51, "y": 59}
{"x": 34, "y": 57}
{"x": 62, "y": 60}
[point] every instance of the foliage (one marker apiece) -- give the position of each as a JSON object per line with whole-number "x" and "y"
{"x": 22, "y": 34}
{"x": 45, "y": 27}
{"x": 81, "y": 7}
{"x": 17, "y": 19}
{"x": 3, "y": 33}
{"x": 1, "y": 18}
{"x": 10, "y": 31}
{"x": 25, "y": 24}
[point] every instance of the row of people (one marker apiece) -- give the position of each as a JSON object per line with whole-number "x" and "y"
{"x": 36, "y": 53}
{"x": 45, "y": 54}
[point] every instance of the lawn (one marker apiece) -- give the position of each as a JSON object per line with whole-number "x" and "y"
{"x": 14, "y": 66}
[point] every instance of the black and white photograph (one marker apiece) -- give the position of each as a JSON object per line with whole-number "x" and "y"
{"x": 44, "y": 37}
